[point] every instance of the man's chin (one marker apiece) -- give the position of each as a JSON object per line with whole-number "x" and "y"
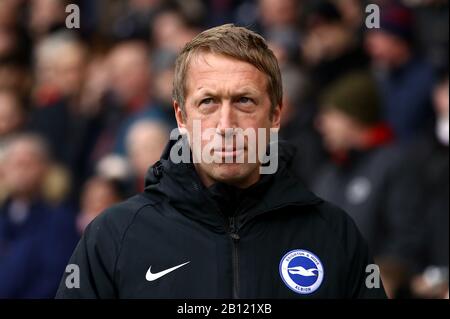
{"x": 235, "y": 174}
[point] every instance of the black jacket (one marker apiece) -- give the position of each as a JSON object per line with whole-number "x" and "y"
{"x": 232, "y": 241}
{"x": 425, "y": 174}
{"x": 370, "y": 188}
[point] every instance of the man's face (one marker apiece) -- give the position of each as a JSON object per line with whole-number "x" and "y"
{"x": 337, "y": 129}
{"x": 384, "y": 48}
{"x": 24, "y": 168}
{"x": 10, "y": 115}
{"x": 130, "y": 71}
{"x": 222, "y": 94}
{"x": 70, "y": 68}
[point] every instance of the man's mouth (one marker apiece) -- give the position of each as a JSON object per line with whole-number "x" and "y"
{"x": 228, "y": 151}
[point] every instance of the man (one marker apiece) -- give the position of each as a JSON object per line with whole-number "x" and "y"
{"x": 215, "y": 229}
{"x": 36, "y": 236}
{"x": 405, "y": 79}
{"x": 12, "y": 115}
{"x": 99, "y": 193}
{"x": 363, "y": 175}
{"x": 145, "y": 143}
{"x": 331, "y": 48}
{"x": 426, "y": 173}
{"x": 130, "y": 98}
{"x": 57, "y": 114}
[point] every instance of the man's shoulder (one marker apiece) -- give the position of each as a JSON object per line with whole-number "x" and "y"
{"x": 117, "y": 218}
{"x": 332, "y": 214}
{"x": 337, "y": 223}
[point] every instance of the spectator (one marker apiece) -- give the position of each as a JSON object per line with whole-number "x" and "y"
{"x": 57, "y": 114}
{"x": 432, "y": 31}
{"x": 352, "y": 12}
{"x": 279, "y": 14}
{"x": 296, "y": 127}
{"x": 163, "y": 65}
{"x": 293, "y": 96}
{"x": 145, "y": 144}
{"x": 36, "y": 239}
{"x": 9, "y": 13}
{"x": 131, "y": 98}
{"x": 14, "y": 41}
{"x": 426, "y": 172}
{"x": 330, "y": 50}
{"x": 280, "y": 25}
{"x": 362, "y": 175}
{"x": 132, "y": 23}
{"x": 14, "y": 75}
{"x": 171, "y": 24}
{"x": 61, "y": 61}
{"x": 405, "y": 79}
{"x": 12, "y": 113}
{"x": 130, "y": 75}
{"x": 46, "y": 16}
{"x": 98, "y": 194}
{"x": 12, "y": 118}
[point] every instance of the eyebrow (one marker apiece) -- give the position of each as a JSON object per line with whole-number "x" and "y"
{"x": 239, "y": 92}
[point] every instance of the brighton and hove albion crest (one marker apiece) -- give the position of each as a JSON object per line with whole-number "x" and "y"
{"x": 301, "y": 271}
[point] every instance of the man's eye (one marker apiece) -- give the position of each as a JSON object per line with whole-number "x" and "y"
{"x": 207, "y": 101}
{"x": 245, "y": 100}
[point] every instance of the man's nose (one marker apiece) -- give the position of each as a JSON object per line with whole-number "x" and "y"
{"x": 227, "y": 118}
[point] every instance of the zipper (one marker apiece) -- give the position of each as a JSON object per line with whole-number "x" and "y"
{"x": 235, "y": 256}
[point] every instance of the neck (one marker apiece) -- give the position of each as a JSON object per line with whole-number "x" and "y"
{"x": 243, "y": 183}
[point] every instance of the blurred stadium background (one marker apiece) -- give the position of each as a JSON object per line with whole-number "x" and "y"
{"x": 84, "y": 112}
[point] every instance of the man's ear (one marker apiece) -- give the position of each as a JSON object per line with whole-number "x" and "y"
{"x": 276, "y": 116}
{"x": 179, "y": 116}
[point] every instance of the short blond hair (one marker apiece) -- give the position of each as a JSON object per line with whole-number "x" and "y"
{"x": 234, "y": 42}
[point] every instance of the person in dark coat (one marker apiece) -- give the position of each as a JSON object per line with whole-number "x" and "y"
{"x": 426, "y": 172}
{"x": 224, "y": 228}
{"x": 361, "y": 176}
{"x": 405, "y": 79}
{"x": 36, "y": 237}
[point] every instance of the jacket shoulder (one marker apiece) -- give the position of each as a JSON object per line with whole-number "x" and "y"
{"x": 331, "y": 211}
{"x": 341, "y": 225}
{"x": 117, "y": 218}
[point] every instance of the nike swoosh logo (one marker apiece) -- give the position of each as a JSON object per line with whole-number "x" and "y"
{"x": 153, "y": 276}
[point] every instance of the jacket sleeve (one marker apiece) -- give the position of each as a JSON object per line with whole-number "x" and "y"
{"x": 92, "y": 264}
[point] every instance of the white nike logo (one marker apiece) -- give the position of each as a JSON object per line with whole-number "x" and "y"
{"x": 153, "y": 276}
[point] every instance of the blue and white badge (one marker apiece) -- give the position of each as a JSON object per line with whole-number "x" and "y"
{"x": 301, "y": 271}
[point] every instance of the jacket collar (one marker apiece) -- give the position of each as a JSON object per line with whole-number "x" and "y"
{"x": 181, "y": 186}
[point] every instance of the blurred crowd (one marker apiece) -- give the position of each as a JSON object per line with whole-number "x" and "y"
{"x": 84, "y": 113}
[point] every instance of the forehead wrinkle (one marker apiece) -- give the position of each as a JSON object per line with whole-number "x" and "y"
{"x": 233, "y": 65}
{"x": 227, "y": 91}
{"x": 241, "y": 70}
